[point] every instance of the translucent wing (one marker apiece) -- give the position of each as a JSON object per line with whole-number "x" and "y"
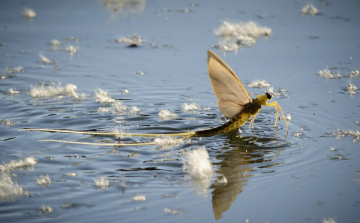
{"x": 227, "y": 87}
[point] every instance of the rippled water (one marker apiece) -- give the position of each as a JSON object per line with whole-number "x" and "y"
{"x": 311, "y": 174}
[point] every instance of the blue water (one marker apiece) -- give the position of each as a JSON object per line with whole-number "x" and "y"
{"x": 271, "y": 175}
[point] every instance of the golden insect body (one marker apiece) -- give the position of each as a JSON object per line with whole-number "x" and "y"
{"x": 234, "y": 102}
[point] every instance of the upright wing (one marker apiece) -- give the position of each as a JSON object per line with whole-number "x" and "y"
{"x": 227, "y": 87}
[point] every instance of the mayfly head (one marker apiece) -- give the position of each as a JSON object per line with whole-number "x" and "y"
{"x": 263, "y": 98}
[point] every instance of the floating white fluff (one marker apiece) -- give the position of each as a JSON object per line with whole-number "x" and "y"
{"x": 347, "y": 133}
{"x": 221, "y": 181}
{"x": 174, "y": 211}
{"x": 259, "y": 84}
{"x": 297, "y": 134}
{"x": 197, "y": 164}
{"x": 125, "y": 91}
{"x": 132, "y": 41}
{"x": 44, "y": 181}
{"x": 13, "y": 70}
{"x": 233, "y": 35}
{"x": 351, "y": 88}
{"x": 53, "y": 91}
{"x": 27, "y": 162}
{"x": 134, "y": 110}
{"x": 139, "y": 198}
{"x": 167, "y": 115}
{"x": 45, "y": 210}
{"x": 55, "y": 42}
{"x": 167, "y": 142}
{"x": 12, "y": 92}
{"x": 116, "y": 107}
{"x": 102, "y": 183}
{"x": 352, "y": 74}
{"x": 310, "y": 10}
{"x": 70, "y": 175}
{"x": 327, "y": 74}
{"x": 29, "y": 13}
{"x": 190, "y": 107}
{"x": 44, "y": 59}
{"x": 7, "y": 122}
{"x": 288, "y": 117}
{"x": 8, "y": 188}
{"x": 242, "y": 29}
{"x": 103, "y": 97}
{"x": 329, "y": 220}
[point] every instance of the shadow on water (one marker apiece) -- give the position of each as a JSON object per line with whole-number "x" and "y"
{"x": 238, "y": 161}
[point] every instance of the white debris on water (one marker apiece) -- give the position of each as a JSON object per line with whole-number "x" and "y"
{"x": 235, "y": 34}
{"x": 197, "y": 164}
{"x": 242, "y": 29}
{"x": 7, "y": 122}
{"x": 310, "y": 10}
{"x": 329, "y": 220}
{"x": 221, "y": 181}
{"x": 167, "y": 115}
{"x": 103, "y": 97}
{"x": 21, "y": 163}
{"x": 44, "y": 59}
{"x": 71, "y": 49}
{"x": 29, "y": 13}
{"x": 188, "y": 107}
{"x": 13, "y": 70}
{"x": 116, "y": 107}
{"x": 167, "y": 142}
{"x": 126, "y": 91}
{"x": 259, "y": 84}
{"x": 139, "y": 198}
{"x": 352, "y": 74}
{"x": 351, "y": 88}
{"x": 45, "y": 210}
{"x": 134, "y": 110}
{"x": 132, "y": 41}
{"x": 102, "y": 183}
{"x": 12, "y": 92}
{"x": 198, "y": 167}
{"x": 173, "y": 211}
{"x": 57, "y": 90}
{"x": 70, "y": 175}
{"x": 73, "y": 38}
{"x": 9, "y": 189}
{"x": 297, "y": 134}
{"x": 347, "y": 133}
{"x": 288, "y": 116}
{"x": 327, "y": 74}
{"x": 44, "y": 181}
{"x": 55, "y": 42}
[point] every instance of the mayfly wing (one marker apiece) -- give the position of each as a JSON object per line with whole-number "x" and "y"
{"x": 227, "y": 86}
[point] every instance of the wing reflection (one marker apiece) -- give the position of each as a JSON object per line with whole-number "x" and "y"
{"x": 235, "y": 165}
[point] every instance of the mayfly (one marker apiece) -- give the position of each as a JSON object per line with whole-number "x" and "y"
{"x": 234, "y": 102}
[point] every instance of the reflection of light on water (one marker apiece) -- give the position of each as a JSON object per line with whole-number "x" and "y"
{"x": 126, "y": 8}
{"x": 199, "y": 168}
